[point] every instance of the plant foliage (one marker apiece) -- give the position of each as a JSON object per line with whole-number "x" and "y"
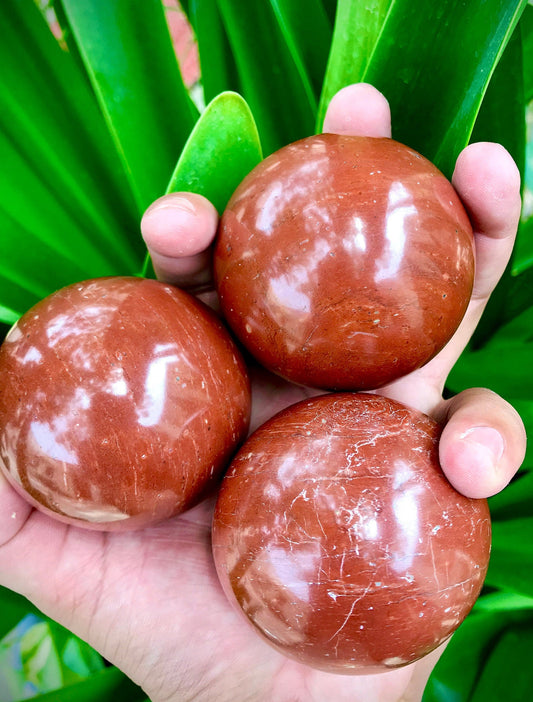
{"x": 98, "y": 123}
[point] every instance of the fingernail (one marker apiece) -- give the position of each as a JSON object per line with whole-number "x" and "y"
{"x": 174, "y": 202}
{"x": 487, "y": 443}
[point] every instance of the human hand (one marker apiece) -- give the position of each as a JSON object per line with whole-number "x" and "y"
{"x": 150, "y": 601}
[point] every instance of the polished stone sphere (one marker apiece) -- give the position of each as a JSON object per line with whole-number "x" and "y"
{"x": 122, "y": 400}
{"x": 338, "y": 537}
{"x": 344, "y": 262}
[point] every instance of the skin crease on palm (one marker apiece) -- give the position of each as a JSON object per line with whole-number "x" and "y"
{"x": 150, "y": 601}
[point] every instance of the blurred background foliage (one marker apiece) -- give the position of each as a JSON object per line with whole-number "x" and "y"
{"x": 106, "y": 105}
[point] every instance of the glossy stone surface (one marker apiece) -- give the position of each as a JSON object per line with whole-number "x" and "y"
{"x": 121, "y": 402}
{"x": 344, "y": 262}
{"x": 339, "y": 538}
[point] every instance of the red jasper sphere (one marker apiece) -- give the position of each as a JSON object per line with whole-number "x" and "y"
{"x": 344, "y": 262}
{"x": 339, "y": 538}
{"x": 121, "y": 402}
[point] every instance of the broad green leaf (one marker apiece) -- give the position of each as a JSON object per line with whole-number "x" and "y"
{"x": 455, "y": 675}
{"x": 39, "y": 77}
{"x": 527, "y": 35}
{"x": 43, "y": 656}
{"x": 358, "y": 26}
{"x": 519, "y": 295}
{"x": 13, "y": 608}
{"x": 45, "y": 221}
{"x": 126, "y": 49}
{"x": 42, "y": 245}
{"x": 504, "y": 370}
{"x": 525, "y": 410}
{"x": 218, "y": 70}
{"x": 108, "y": 685}
{"x": 434, "y": 110}
{"x": 508, "y": 674}
{"x": 515, "y": 502}
{"x": 523, "y": 252}
{"x": 40, "y": 661}
{"x": 223, "y": 148}
{"x": 67, "y": 148}
{"x": 515, "y": 332}
{"x": 307, "y": 30}
{"x": 273, "y": 78}
{"x": 503, "y": 602}
{"x": 79, "y": 658}
{"x": 8, "y": 316}
{"x": 502, "y": 119}
{"x": 418, "y": 47}
{"x": 330, "y": 8}
{"x": 511, "y": 561}
{"x": 65, "y": 209}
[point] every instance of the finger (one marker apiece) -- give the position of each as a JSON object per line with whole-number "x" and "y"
{"x": 358, "y": 110}
{"x": 178, "y": 230}
{"x": 488, "y": 182}
{"x": 483, "y": 442}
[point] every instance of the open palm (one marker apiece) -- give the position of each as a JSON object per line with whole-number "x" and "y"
{"x": 149, "y": 600}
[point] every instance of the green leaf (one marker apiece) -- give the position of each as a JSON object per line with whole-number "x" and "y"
{"x": 455, "y": 675}
{"x": 358, "y": 26}
{"x": 272, "y": 75}
{"x": 515, "y": 501}
{"x": 502, "y": 114}
{"x": 507, "y": 674}
{"x": 65, "y": 209}
{"x": 501, "y": 369}
{"x": 500, "y": 364}
{"x": 307, "y": 30}
{"x": 75, "y": 160}
{"x": 8, "y": 316}
{"x": 108, "y": 685}
{"x": 43, "y": 656}
{"x": 503, "y": 602}
{"x": 126, "y": 49}
{"x": 40, "y": 661}
{"x": 523, "y": 251}
{"x": 330, "y": 8}
{"x": 417, "y": 50}
{"x": 218, "y": 69}
{"x": 13, "y": 608}
{"x": 527, "y": 34}
{"x": 434, "y": 110}
{"x": 518, "y": 295}
{"x": 223, "y": 148}
{"x": 502, "y": 119}
{"x": 79, "y": 658}
{"x": 511, "y": 561}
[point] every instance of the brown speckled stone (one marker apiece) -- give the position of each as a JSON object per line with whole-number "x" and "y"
{"x": 121, "y": 402}
{"x": 344, "y": 262}
{"x": 339, "y": 538}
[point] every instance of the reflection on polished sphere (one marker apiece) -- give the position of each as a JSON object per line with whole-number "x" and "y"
{"x": 339, "y": 538}
{"x": 344, "y": 262}
{"x": 121, "y": 401}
